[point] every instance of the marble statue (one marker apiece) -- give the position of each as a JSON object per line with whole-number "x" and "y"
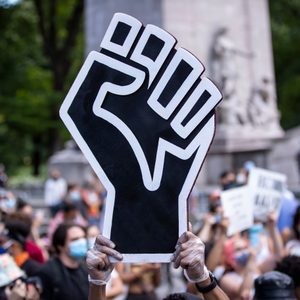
{"x": 262, "y": 110}
{"x": 233, "y": 110}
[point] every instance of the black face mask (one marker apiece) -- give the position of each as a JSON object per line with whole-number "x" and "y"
{"x": 228, "y": 185}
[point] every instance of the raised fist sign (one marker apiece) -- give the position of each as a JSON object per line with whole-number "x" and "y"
{"x": 144, "y": 119}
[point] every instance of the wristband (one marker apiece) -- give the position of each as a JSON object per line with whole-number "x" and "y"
{"x": 208, "y": 288}
{"x": 98, "y": 281}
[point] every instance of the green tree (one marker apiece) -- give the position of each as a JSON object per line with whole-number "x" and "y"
{"x": 41, "y": 50}
{"x": 285, "y": 24}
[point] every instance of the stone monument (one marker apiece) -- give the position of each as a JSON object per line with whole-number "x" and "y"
{"x": 231, "y": 37}
{"x": 72, "y": 164}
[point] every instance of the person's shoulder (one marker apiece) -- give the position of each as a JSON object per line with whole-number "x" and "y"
{"x": 49, "y": 268}
{"x": 31, "y": 267}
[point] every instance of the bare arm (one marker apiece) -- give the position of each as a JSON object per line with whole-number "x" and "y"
{"x": 278, "y": 248}
{"x": 214, "y": 257}
{"x": 215, "y": 294}
{"x": 97, "y": 292}
{"x": 250, "y": 271}
{"x": 99, "y": 266}
{"x": 117, "y": 288}
{"x": 205, "y": 232}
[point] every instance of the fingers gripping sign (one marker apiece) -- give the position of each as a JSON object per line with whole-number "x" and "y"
{"x": 144, "y": 119}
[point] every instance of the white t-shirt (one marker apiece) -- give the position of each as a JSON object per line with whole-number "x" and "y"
{"x": 55, "y": 191}
{"x": 293, "y": 247}
{"x": 114, "y": 275}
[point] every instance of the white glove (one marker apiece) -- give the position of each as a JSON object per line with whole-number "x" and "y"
{"x": 189, "y": 255}
{"x": 97, "y": 260}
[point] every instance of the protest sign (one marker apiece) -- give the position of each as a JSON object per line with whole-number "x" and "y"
{"x": 238, "y": 209}
{"x": 145, "y": 119}
{"x": 265, "y": 189}
{"x": 9, "y": 271}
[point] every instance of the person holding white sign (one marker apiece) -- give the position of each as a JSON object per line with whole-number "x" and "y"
{"x": 189, "y": 255}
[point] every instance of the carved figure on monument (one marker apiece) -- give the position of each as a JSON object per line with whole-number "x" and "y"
{"x": 262, "y": 109}
{"x": 233, "y": 110}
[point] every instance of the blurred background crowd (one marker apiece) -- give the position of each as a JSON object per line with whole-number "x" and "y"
{"x": 42, "y": 252}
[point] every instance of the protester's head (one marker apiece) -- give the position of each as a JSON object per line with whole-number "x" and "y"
{"x": 249, "y": 165}
{"x": 236, "y": 253}
{"x": 215, "y": 201}
{"x": 241, "y": 176}
{"x": 7, "y": 201}
{"x": 55, "y": 173}
{"x": 70, "y": 212}
{"x": 274, "y": 286}
{"x": 24, "y": 208}
{"x": 73, "y": 194}
{"x": 17, "y": 233}
{"x": 91, "y": 234}
{"x": 70, "y": 240}
{"x": 296, "y": 223}
{"x": 290, "y": 265}
{"x": 227, "y": 180}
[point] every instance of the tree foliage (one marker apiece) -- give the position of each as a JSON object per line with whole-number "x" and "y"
{"x": 285, "y": 24}
{"x": 41, "y": 50}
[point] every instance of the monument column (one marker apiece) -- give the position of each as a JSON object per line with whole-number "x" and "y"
{"x": 231, "y": 37}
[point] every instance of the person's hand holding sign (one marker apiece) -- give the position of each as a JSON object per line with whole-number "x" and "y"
{"x": 189, "y": 255}
{"x": 144, "y": 119}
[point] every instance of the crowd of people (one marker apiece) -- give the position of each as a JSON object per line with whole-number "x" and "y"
{"x": 70, "y": 259}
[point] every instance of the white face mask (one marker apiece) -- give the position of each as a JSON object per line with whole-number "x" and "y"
{"x": 241, "y": 178}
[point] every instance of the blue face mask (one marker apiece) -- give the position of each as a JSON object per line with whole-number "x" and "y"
{"x": 242, "y": 258}
{"x": 8, "y": 204}
{"x": 78, "y": 248}
{"x": 75, "y": 196}
{"x": 254, "y": 234}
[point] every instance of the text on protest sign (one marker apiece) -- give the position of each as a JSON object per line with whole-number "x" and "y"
{"x": 266, "y": 188}
{"x": 238, "y": 209}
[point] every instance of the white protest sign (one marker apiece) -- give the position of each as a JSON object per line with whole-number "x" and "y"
{"x": 238, "y": 209}
{"x": 9, "y": 271}
{"x": 265, "y": 188}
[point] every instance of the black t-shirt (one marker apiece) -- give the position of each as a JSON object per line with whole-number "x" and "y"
{"x": 31, "y": 267}
{"x": 62, "y": 283}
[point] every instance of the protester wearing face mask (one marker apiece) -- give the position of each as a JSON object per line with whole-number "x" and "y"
{"x": 69, "y": 215}
{"x": 64, "y": 276}
{"x": 7, "y": 201}
{"x": 237, "y": 282}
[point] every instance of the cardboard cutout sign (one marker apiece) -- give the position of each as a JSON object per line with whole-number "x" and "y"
{"x": 144, "y": 119}
{"x": 238, "y": 209}
{"x": 265, "y": 188}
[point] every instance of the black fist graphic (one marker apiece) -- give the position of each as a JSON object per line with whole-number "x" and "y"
{"x": 144, "y": 119}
